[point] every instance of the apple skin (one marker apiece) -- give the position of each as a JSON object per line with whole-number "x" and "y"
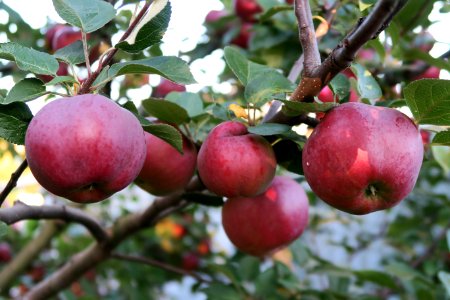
{"x": 266, "y": 223}
{"x": 64, "y": 37}
{"x": 233, "y": 162}
{"x": 85, "y": 148}
{"x": 50, "y": 34}
{"x": 215, "y": 15}
{"x": 326, "y": 95}
{"x": 432, "y": 72}
{"x": 5, "y": 253}
{"x": 362, "y": 158}
{"x": 165, "y": 87}
{"x": 247, "y": 9}
{"x": 166, "y": 170}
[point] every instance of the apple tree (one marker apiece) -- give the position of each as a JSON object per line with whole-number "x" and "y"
{"x": 321, "y": 157}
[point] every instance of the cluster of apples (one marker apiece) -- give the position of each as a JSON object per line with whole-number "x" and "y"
{"x": 246, "y": 12}
{"x": 359, "y": 159}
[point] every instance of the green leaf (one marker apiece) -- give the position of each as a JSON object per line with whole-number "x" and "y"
{"x": 25, "y": 90}
{"x": 204, "y": 199}
{"x": 448, "y": 239}
{"x": 249, "y": 267}
{"x": 444, "y": 277}
{"x": 191, "y": 102}
{"x": 61, "y": 79}
{"x": 219, "y": 291}
{"x": 150, "y": 29}
{"x": 377, "y": 277}
{"x": 28, "y": 59}
{"x": 3, "y": 229}
{"x": 72, "y": 54}
{"x": 273, "y": 11}
{"x": 417, "y": 54}
{"x": 265, "y": 85}
{"x": 340, "y": 86}
{"x": 14, "y": 120}
{"x": 166, "y": 133}
{"x": 442, "y": 138}
{"x": 269, "y": 129}
{"x": 293, "y": 108}
{"x": 442, "y": 155}
{"x": 89, "y": 15}
{"x": 170, "y": 67}
{"x": 237, "y": 62}
{"x": 368, "y": 87}
{"x": 429, "y": 101}
{"x": 165, "y": 111}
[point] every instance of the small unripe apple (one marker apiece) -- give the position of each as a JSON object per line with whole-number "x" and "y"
{"x": 166, "y": 170}
{"x": 85, "y": 148}
{"x": 362, "y": 158}
{"x": 233, "y": 162}
{"x": 165, "y": 87}
{"x": 266, "y": 223}
{"x": 5, "y": 252}
{"x": 247, "y": 9}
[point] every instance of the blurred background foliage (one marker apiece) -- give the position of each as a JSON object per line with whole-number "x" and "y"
{"x": 401, "y": 253}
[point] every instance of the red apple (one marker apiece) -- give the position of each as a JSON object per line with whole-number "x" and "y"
{"x": 63, "y": 70}
{"x": 215, "y": 15}
{"x": 65, "y": 36}
{"x": 165, "y": 87}
{"x": 233, "y": 162}
{"x": 247, "y": 9}
{"x": 265, "y": 223}
{"x": 85, "y": 148}
{"x": 50, "y": 34}
{"x": 326, "y": 95}
{"x": 166, "y": 170}
{"x": 290, "y": 1}
{"x": 190, "y": 261}
{"x": 431, "y": 72}
{"x": 242, "y": 38}
{"x": 362, "y": 158}
{"x": 5, "y": 252}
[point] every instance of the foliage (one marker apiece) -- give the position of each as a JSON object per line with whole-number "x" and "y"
{"x": 401, "y": 253}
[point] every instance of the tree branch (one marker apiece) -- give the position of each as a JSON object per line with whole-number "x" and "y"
{"x": 307, "y": 36}
{"x": 98, "y": 252}
{"x": 28, "y": 253}
{"x": 161, "y": 265}
{"x": 85, "y": 88}
{"x": 20, "y": 211}
{"x": 431, "y": 249}
{"x": 13, "y": 181}
{"x": 341, "y": 57}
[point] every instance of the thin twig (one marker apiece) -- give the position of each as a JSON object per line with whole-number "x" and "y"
{"x": 431, "y": 249}
{"x": 86, "y": 52}
{"x": 13, "y": 181}
{"x": 307, "y": 35}
{"x": 20, "y": 211}
{"x": 122, "y": 229}
{"x": 161, "y": 265}
{"x": 88, "y": 83}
